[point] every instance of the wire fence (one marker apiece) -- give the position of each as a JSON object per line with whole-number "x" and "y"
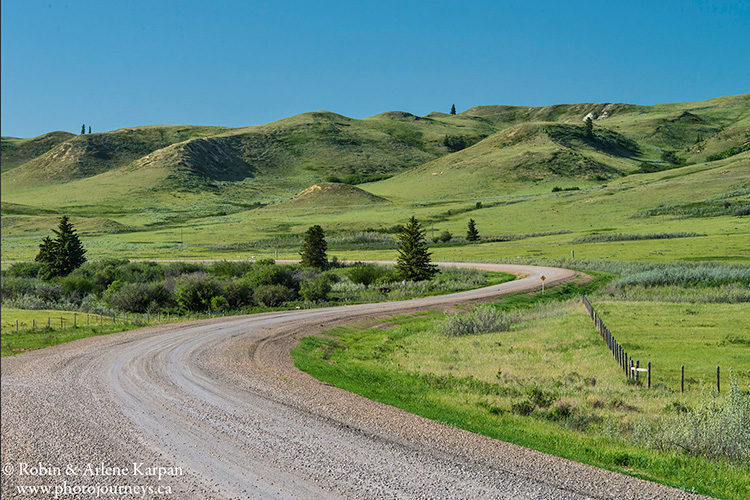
{"x": 631, "y": 368}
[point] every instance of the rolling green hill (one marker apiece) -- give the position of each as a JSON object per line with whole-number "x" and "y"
{"x": 533, "y": 169}
{"x": 15, "y": 151}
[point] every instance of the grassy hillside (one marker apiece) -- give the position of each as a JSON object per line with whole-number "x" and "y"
{"x": 330, "y": 194}
{"x": 17, "y": 151}
{"x": 540, "y": 180}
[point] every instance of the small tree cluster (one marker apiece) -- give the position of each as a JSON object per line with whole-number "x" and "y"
{"x": 63, "y": 253}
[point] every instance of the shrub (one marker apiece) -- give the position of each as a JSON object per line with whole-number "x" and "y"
{"x": 194, "y": 292}
{"x": 484, "y": 319}
{"x": 712, "y": 429}
{"x": 270, "y": 274}
{"x": 141, "y": 271}
{"x": 138, "y": 297}
{"x": 238, "y": 293}
{"x": 219, "y": 303}
{"x": 77, "y": 283}
{"x": 228, "y": 269}
{"x": 16, "y": 286}
{"x": 445, "y": 237}
{"x": 364, "y": 274}
{"x": 49, "y": 293}
{"x": 316, "y": 289}
{"x": 273, "y": 295}
{"x": 25, "y": 269}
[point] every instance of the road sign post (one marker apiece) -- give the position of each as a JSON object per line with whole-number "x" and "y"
{"x": 543, "y": 277}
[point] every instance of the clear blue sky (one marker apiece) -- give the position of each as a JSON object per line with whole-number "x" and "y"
{"x": 118, "y": 64}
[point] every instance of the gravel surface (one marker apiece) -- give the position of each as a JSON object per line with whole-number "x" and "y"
{"x": 220, "y": 407}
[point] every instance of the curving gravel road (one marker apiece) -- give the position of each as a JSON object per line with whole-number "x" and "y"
{"x": 219, "y": 406}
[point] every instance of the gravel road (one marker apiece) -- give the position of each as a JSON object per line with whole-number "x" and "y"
{"x": 220, "y": 408}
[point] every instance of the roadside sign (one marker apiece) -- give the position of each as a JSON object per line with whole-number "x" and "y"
{"x": 542, "y": 277}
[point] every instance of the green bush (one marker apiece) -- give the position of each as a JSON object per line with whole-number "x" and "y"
{"x": 238, "y": 293}
{"x": 273, "y": 295}
{"x": 194, "y": 292}
{"x": 228, "y": 269}
{"x": 316, "y": 289}
{"x": 364, "y": 274}
{"x": 713, "y": 429}
{"x": 484, "y": 319}
{"x": 25, "y": 269}
{"x": 139, "y": 297}
{"x": 219, "y": 303}
{"x": 270, "y": 274}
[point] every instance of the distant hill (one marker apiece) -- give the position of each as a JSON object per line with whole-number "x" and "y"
{"x": 15, "y": 151}
{"x": 329, "y": 194}
{"x": 490, "y": 149}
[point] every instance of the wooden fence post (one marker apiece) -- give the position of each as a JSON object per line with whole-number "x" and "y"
{"x": 33, "y": 325}
{"x": 637, "y": 365}
{"x": 718, "y": 386}
{"x": 649, "y": 374}
{"x": 75, "y": 320}
{"x": 61, "y": 323}
{"x": 48, "y": 322}
{"x": 630, "y": 373}
{"x": 682, "y": 378}
{"x": 16, "y": 326}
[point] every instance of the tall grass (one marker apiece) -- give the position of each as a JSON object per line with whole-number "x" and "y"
{"x": 713, "y": 429}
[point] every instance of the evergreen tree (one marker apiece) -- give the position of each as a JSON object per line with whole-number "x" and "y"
{"x": 589, "y": 126}
{"x": 414, "y": 262}
{"x": 89, "y": 129}
{"x": 313, "y": 251}
{"x": 471, "y": 233}
{"x": 64, "y": 253}
{"x": 83, "y": 129}
{"x": 453, "y": 109}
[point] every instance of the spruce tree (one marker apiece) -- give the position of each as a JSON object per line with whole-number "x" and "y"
{"x": 64, "y": 253}
{"x": 414, "y": 262}
{"x": 83, "y": 129}
{"x": 589, "y": 126}
{"x": 471, "y": 233}
{"x": 313, "y": 251}
{"x": 89, "y": 129}
{"x": 453, "y": 109}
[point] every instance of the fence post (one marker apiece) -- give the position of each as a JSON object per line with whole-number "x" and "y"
{"x": 16, "y": 326}
{"x": 630, "y": 374}
{"x": 61, "y": 323}
{"x": 637, "y": 365}
{"x": 649, "y": 374}
{"x": 75, "y": 320}
{"x": 101, "y": 319}
{"x": 49, "y": 322}
{"x": 88, "y": 317}
{"x": 33, "y": 325}
{"x": 682, "y": 378}
{"x": 718, "y": 387}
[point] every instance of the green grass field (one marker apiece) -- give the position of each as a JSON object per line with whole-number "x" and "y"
{"x": 549, "y": 383}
